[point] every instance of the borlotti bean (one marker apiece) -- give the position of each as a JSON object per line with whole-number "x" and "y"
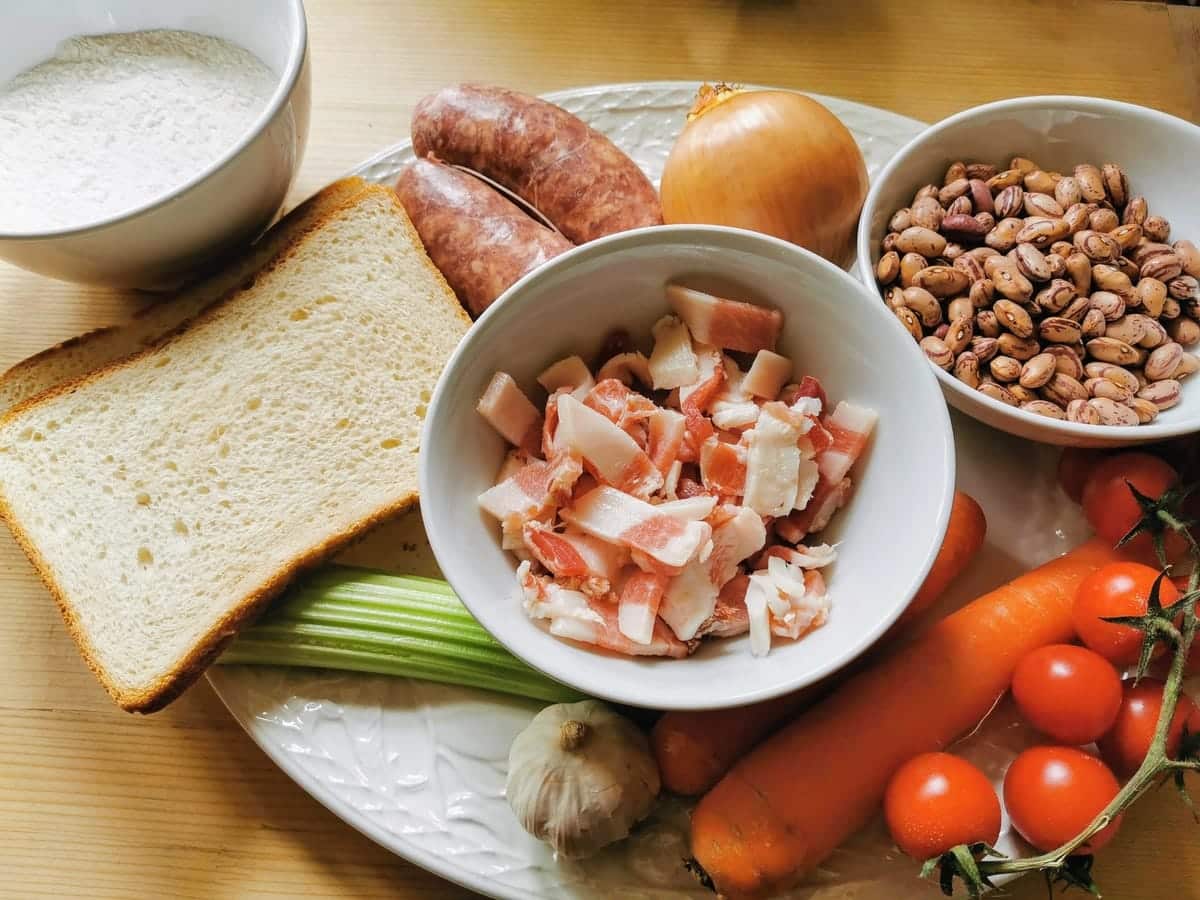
{"x": 1060, "y": 293}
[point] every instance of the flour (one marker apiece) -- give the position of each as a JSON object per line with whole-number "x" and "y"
{"x": 114, "y": 121}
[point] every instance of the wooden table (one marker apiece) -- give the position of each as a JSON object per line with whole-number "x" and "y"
{"x": 96, "y": 803}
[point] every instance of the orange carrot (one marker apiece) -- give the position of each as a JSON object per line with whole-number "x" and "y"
{"x": 785, "y": 807}
{"x": 964, "y": 537}
{"x": 694, "y": 749}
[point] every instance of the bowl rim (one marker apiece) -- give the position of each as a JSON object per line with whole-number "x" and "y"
{"x": 1077, "y": 433}
{"x": 718, "y": 238}
{"x": 285, "y": 84}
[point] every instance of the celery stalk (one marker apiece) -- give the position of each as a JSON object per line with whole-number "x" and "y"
{"x": 361, "y": 620}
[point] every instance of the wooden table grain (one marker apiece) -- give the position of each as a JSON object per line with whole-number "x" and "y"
{"x": 96, "y": 803}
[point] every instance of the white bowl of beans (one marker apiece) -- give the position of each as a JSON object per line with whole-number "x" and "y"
{"x": 1056, "y": 238}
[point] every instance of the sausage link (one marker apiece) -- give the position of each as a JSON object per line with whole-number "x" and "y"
{"x": 480, "y": 240}
{"x": 575, "y": 176}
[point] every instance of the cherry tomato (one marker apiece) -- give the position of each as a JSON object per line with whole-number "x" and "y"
{"x": 1128, "y": 742}
{"x": 1192, "y": 725}
{"x": 1110, "y": 506}
{"x": 1074, "y": 467}
{"x": 1053, "y": 793}
{"x": 1118, "y": 589}
{"x": 936, "y": 801}
{"x": 1069, "y": 693}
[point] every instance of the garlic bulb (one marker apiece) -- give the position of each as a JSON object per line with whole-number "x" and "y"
{"x": 580, "y": 777}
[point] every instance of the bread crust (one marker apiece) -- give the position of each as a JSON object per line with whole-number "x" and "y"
{"x": 209, "y": 646}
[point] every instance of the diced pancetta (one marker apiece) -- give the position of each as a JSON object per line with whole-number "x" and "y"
{"x": 723, "y": 467}
{"x": 617, "y": 517}
{"x": 505, "y": 407}
{"x": 648, "y": 563}
{"x": 758, "y": 616}
{"x": 611, "y": 453}
{"x": 729, "y": 618}
{"x": 695, "y": 399}
{"x": 786, "y": 601}
{"x": 626, "y": 367}
{"x": 512, "y": 536}
{"x": 637, "y": 608}
{"x": 773, "y": 462}
{"x": 692, "y": 594}
{"x": 575, "y": 555}
{"x": 808, "y": 408}
{"x": 628, "y": 410}
{"x": 664, "y": 438}
{"x": 607, "y": 634}
{"x": 514, "y": 460}
{"x": 532, "y": 490}
{"x": 544, "y": 599}
{"x": 672, "y": 362}
{"x": 815, "y": 557}
{"x": 807, "y": 477}
{"x": 831, "y": 502}
{"x": 550, "y": 444}
{"x": 636, "y": 531}
{"x": 808, "y": 387}
{"x": 768, "y": 374}
{"x": 693, "y": 509}
{"x": 571, "y": 373}
{"x": 799, "y": 602}
{"x": 697, "y": 396}
{"x": 735, "y": 415}
{"x": 671, "y": 482}
{"x": 729, "y": 324}
{"x": 850, "y": 427}
{"x": 734, "y": 407}
{"x": 820, "y": 438}
{"x": 572, "y": 614}
{"x": 826, "y": 500}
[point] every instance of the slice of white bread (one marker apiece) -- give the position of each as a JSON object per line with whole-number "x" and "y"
{"x": 90, "y": 351}
{"x": 166, "y": 498}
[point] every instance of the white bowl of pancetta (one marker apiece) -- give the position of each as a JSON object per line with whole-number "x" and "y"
{"x": 687, "y": 467}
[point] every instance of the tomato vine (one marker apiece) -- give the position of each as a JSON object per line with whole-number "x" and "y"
{"x": 1175, "y": 628}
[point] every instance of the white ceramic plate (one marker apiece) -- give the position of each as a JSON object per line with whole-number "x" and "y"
{"x": 420, "y": 767}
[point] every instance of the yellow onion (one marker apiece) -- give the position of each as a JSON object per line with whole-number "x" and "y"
{"x": 769, "y": 161}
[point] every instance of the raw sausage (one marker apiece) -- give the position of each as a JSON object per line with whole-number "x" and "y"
{"x": 575, "y": 176}
{"x": 480, "y": 240}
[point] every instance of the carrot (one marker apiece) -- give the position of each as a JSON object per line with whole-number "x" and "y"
{"x": 785, "y": 807}
{"x": 964, "y": 537}
{"x": 694, "y": 749}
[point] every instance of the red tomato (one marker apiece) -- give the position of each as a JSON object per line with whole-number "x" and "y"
{"x": 1053, "y": 793}
{"x": 1126, "y": 745}
{"x": 936, "y": 801}
{"x": 1074, "y": 467}
{"x": 1192, "y": 725}
{"x": 1110, "y": 506}
{"x": 1118, "y": 589}
{"x": 1070, "y": 693}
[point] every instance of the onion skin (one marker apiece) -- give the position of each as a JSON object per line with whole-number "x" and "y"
{"x": 769, "y": 161}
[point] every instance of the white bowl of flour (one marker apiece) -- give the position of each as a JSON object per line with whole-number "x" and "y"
{"x": 141, "y": 139}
